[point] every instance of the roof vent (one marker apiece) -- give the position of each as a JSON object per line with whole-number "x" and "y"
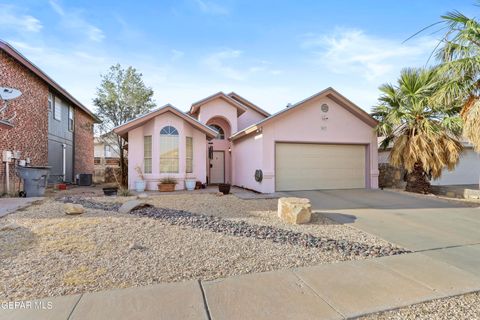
{"x": 288, "y": 105}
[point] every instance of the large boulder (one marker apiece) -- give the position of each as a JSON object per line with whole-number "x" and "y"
{"x": 73, "y": 208}
{"x": 294, "y": 210}
{"x": 128, "y": 206}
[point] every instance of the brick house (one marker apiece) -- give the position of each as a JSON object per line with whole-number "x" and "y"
{"x": 51, "y": 127}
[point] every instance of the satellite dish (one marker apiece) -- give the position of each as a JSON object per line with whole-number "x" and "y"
{"x": 9, "y": 93}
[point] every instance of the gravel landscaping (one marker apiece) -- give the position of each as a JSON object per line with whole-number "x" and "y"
{"x": 44, "y": 253}
{"x": 454, "y": 308}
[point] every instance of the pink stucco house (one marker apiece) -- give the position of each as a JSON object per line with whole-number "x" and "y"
{"x": 322, "y": 142}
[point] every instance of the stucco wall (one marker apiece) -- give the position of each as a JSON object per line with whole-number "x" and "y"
{"x": 467, "y": 170}
{"x": 247, "y": 156}
{"x": 305, "y": 124}
{"x": 30, "y": 130}
{"x": 153, "y": 127}
{"x": 216, "y": 108}
{"x": 248, "y": 118}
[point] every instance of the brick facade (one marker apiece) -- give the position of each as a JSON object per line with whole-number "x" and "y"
{"x": 83, "y": 142}
{"x": 29, "y": 134}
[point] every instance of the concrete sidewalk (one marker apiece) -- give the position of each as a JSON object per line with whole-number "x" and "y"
{"x": 8, "y": 205}
{"x": 331, "y": 291}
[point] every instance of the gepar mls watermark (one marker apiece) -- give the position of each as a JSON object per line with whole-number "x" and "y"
{"x": 32, "y": 305}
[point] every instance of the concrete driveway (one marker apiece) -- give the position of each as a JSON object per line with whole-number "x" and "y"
{"x": 441, "y": 229}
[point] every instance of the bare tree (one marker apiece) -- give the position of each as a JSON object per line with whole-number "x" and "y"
{"x": 121, "y": 96}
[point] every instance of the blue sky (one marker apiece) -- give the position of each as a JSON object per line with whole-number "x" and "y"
{"x": 270, "y": 52}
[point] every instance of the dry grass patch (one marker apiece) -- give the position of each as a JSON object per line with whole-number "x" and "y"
{"x": 52, "y": 254}
{"x": 83, "y": 275}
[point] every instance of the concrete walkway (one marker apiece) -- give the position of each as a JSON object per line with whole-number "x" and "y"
{"x": 447, "y": 263}
{"x": 331, "y": 291}
{"x": 8, "y": 205}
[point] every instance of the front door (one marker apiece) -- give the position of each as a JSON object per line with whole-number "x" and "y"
{"x": 217, "y": 167}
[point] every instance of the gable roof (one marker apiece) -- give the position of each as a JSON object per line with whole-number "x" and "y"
{"x": 249, "y": 104}
{"x": 219, "y": 95}
{"x": 122, "y": 130}
{"x": 11, "y": 51}
{"x": 328, "y": 92}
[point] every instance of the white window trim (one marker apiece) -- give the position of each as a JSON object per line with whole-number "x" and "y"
{"x": 170, "y": 132}
{"x": 147, "y": 158}
{"x": 59, "y": 118}
{"x": 186, "y": 155}
{"x": 71, "y": 112}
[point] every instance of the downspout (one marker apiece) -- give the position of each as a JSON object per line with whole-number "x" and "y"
{"x": 64, "y": 160}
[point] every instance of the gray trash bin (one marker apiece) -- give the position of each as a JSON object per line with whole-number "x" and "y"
{"x": 34, "y": 180}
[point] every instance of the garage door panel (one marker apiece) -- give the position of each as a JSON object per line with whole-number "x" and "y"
{"x": 301, "y": 166}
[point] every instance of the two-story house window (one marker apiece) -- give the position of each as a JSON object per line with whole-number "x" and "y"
{"x": 50, "y": 102}
{"x": 70, "y": 118}
{"x": 108, "y": 151}
{"x": 57, "y": 109}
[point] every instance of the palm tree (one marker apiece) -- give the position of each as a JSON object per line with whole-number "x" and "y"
{"x": 459, "y": 52}
{"x": 424, "y": 136}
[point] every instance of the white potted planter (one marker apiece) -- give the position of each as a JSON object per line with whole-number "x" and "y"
{"x": 140, "y": 185}
{"x": 190, "y": 183}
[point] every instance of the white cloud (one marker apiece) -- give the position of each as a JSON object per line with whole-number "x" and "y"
{"x": 11, "y": 18}
{"x": 221, "y": 61}
{"x": 176, "y": 54}
{"x": 352, "y": 51}
{"x": 73, "y": 20}
{"x": 231, "y": 64}
{"x": 211, "y": 7}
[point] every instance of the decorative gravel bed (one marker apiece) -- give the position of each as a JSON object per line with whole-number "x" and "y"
{"x": 44, "y": 252}
{"x": 244, "y": 229}
{"x": 112, "y": 206}
{"x": 455, "y": 308}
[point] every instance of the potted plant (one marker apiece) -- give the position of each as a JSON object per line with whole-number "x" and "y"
{"x": 167, "y": 184}
{"x": 224, "y": 188}
{"x": 190, "y": 183}
{"x": 139, "y": 184}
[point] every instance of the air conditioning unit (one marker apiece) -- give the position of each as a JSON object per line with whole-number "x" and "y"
{"x": 84, "y": 179}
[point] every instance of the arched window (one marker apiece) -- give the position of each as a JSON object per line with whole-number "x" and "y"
{"x": 169, "y": 130}
{"x": 169, "y": 150}
{"x": 221, "y": 133}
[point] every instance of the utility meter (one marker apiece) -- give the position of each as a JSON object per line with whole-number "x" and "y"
{"x": 6, "y": 156}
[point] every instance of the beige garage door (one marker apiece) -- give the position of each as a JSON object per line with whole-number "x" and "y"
{"x": 307, "y": 166}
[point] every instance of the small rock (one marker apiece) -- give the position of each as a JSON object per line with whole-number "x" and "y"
{"x": 142, "y": 196}
{"x": 219, "y": 194}
{"x": 73, "y": 208}
{"x": 9, "y": 227}
{"x": 131, "y": 205}
{"x": 136, "y": 246}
